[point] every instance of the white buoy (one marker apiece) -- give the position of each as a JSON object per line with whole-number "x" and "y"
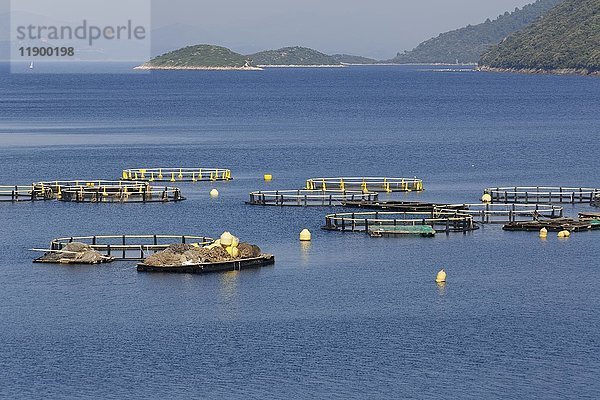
{"x": 305, "y": 236}
{"x": 214, "y": 193}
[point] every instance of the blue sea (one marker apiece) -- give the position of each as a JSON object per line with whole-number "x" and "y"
{"x": 347, "y": 316}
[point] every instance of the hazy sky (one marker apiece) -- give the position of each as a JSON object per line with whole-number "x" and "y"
{"x": 376, "y": 28}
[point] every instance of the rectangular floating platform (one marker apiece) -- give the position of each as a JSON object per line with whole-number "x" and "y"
{"x": 424, "y": 231}
{"x": 555, "y": 225}
{"x": 235, "y": 265}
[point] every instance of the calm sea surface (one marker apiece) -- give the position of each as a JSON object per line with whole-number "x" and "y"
{"x": 345, "y": 317}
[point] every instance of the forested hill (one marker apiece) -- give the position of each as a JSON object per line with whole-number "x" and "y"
{"x": 567, "y": 39}
{"x": 468, "y": 44}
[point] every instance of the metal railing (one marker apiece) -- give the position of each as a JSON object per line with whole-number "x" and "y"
{"x": 130, "y": 247}
{"x": 441, "y": 221}
{"x": 177, "y": 174}
{"x": 305, "y": 198}
{"x": 542, "y": 194}
{"x": 366, "y": 184}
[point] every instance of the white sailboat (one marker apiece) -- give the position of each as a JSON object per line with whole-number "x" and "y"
{"x": 31, "y": 65}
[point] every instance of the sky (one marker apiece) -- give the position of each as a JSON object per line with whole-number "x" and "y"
{"x": 373, "y": 28}
{"x": 376, "y": 28}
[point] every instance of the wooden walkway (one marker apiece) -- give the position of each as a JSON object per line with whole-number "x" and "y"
{"x": 366, "y": 184}
{"x": 130, "y": 247}
{"x": 441, "y": 221}
{"x": 177, "y": 174}
{"x": 306, "y": 198}
{"x": 542, "y": 194}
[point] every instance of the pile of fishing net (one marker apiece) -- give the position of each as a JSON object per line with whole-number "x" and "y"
{"x": 77, "y": 253}
{"x": 186, "y": 254}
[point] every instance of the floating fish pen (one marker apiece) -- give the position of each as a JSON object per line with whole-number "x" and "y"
{"x": 366, "y": 184}
{"x": 596, "y": 200}
{"x": 486, "y": 213}
{"x": 403, "y": 206}
{"x": 304, "y": 198}
{"x": 57, "y": 187}
{"x": 177, "y": 174}
{"x": 121, "y": 194}
{"x": 233, "y": 265}
{"x": 130, "y": 247}
{"x": 554, "y": 225}
{"x": 440, "y": 221}
{"x": 542, "y": 194}
{"x": 24, "y": 193}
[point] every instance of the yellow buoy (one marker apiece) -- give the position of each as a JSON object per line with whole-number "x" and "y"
{"x": 268, "y": 177}
{"x": 564, "y": 234}
{"x": 486, "y": 198}
{"x": 214, "y": 193}
{"x": 543, "y": 233}
{"x": 305, "y": 235}
{"x": 441, "y": 276}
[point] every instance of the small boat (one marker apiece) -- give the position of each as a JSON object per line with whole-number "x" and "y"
{"x": 233, "y": 265}
{"x": 31, "y": 65}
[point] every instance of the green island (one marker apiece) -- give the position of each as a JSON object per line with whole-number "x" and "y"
{"x": 202, "y": 57}
{"x": 566, "y": 40}
{"x": 466, "y": 45}
{"x": 293, "y": 56}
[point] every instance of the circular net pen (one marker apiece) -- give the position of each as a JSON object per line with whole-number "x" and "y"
{"x": 57, "y": 187}
{"x": 542, "y": 194}
{"x": 130, "y": 247}
{"x": 306, "y": 198}
{"x": 486, "y": 213}
{"x": 366, "y": 184}
{"x": 177, "y": 174}
{"x": 391, "y": 222}
{"x": 24, "y": 193}
{"x": 120, "y": 194}
{"x": 596, "y": 200}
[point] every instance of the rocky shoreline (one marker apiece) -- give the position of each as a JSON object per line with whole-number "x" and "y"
{"x": 536, "y": 71}
{"x": 199, "y": 68}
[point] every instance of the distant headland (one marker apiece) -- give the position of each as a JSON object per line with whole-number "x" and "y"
{"x": 547, "y": 36}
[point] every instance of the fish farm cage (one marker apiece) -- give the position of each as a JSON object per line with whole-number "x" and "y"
{"x": 305, "y": 198}
{"x": 542, "y": 194}
{"x": 177, "y": 174}
{"x": 130, "y": 247}
{"x": 121, "y": 194}
{"x": 486, "y": 213}
{"x": 25, "y": 193}
{"x": 440, "y": 221}
{"x": 366, "y": 184}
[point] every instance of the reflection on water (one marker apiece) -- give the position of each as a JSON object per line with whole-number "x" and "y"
{"x": 228, "y": 295}
{"x": 305, "y": 253}
{"x": 441, "y": 286}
